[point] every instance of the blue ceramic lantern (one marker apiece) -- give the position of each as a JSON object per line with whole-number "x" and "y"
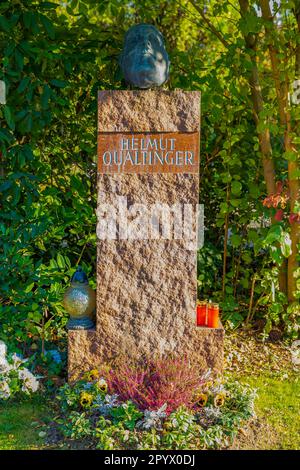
{"x": 80, "y": 302}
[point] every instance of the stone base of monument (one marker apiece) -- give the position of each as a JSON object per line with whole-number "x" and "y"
{"x": 89, "y": 350}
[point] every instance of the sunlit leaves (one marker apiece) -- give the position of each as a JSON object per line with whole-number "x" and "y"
{"x": 236, "y": 187}
{"x": 250, "y": 23}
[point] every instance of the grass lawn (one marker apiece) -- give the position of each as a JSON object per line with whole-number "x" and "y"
{"x": 277, "y": 426}
{"x": 20, "y": 424}
{"x": 278, "y": 412}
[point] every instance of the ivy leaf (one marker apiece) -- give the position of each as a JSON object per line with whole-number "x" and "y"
{"x": 23, "y": 84}
{"x": 60, "y": 261}
{"x": 58, "y": 83}
{"x": 223, "y": 208}
{"x": 48, "y": 26}
{"x": 45, "y": 96}
{"x": 26, "y": 124}
{"x": 21, "y": 158}
{"x": 5, "y": 135}
{"x": 290, "y": 156}
{"x": 226, "y": 177}
{"x": 235, "y": 202}
{"x": 17, "y": 195}
{"x": 4, "y": 186}
{"x": 286, "y": 245}
{"x": 4, "y": 24}
{"x": 274, "y": 234}
{"x": 254, "y": 190}
{"x": 29, "y": 288}
{"x": 235, "y": 240}
{"x": 19, "y": 59}
{"x": 236, "y": 187}
{"x": 48, "y": 5}
{"x": 27, "y": 16}
{"x": 8, "y": 117}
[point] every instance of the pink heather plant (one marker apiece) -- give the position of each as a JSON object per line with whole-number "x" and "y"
{"x": 170, "y": 381}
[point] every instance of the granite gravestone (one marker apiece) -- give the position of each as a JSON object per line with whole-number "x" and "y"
{"x": 148, "y": 174}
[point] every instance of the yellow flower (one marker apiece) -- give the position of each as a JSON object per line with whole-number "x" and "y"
{"x": 201, "y": 399}
{"x": 167, "y": 426}
{"x": 94, "y": 374}
{"x": 208, "y": 384}
{"x": 206, "y": 387}
{"x": 91, "y": 375}
{"x": 102, "y": 385}
{"x": 219, "y": 399}
{"x": 86, "y": 399}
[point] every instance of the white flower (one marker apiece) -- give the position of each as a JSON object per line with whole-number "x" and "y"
{"x": 102, "y": 385}
{"x": 212, "y": 412}
{"x": 218, "y": 388}
{"x": 105, "y": 405}
{"x": 30, "y": 383}
{"x": 111, "y": 400}
{"x": 4, "y": 390}
{"x": 24, "y": 374}
{"x": 3, "y": 350}
{"x": 17, "y": 361}
{"x": 153, "y": 419}
{"x": 4, "y": 365}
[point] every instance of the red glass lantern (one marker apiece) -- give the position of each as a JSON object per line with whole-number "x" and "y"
{"x": 201, "y": 313}
{"x": 213, "y": 315}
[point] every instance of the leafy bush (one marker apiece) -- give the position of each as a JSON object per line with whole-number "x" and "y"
{"x": 55, "y": 56}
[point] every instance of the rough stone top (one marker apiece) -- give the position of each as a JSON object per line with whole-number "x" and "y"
{"x": 148, "y": 111}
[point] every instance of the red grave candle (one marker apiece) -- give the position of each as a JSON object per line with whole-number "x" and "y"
{"x": 201, "y": 313}
{"x": 213, "y": 315}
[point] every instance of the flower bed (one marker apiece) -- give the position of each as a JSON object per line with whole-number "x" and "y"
{"x": 15, "y": 378}
{"x": 208, "y": 418}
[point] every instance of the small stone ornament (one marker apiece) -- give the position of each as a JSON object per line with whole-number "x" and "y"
{"x": 80, "y": 302}
{"x": 144, "y": 60}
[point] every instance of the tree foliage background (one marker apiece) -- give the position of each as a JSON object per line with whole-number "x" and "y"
{"x": 244, "y": 56}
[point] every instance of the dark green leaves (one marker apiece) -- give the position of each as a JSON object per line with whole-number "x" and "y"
{"x": 48, "y": 26}
{"x": 58, "y": 83}
{"x": 4, "y": 24}
{"x": 23, "y": 84}
{"x": 9, "y": 117}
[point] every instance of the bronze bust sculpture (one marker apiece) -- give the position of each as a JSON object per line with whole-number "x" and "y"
{"x": 144, "y": 60}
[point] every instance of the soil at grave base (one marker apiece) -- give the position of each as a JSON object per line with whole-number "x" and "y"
{"x": 258, "y": 435}
{"x": 246, "y": 354}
